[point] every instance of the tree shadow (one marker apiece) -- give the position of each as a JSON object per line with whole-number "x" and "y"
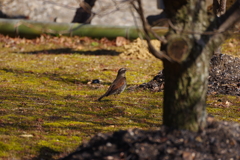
{"x": 72, "y": 51}
{"x": 46, "y": 153}
{"x": 52, "y": 76}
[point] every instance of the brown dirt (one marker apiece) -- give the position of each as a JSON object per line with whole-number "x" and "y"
{"x": 224, "y": 76}
{"x": 219, "y": 141}
{"x": 138, "y": 49}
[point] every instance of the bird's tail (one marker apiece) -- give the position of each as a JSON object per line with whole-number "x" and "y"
{"x": 99, "y": 99}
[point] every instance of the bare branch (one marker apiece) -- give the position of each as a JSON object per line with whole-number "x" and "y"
{"x": 219, "y": 7}
{"x": 231, "y": 17}
{"x": 162, "y": 38}
{"x": 139, "y": 31}
{"x": 226, "y": 22}
{"x": 158, "y": 54}
{"x": 121, "y": 5}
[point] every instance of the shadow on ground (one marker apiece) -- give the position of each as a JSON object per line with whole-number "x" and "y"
{"x": 72, "y": 51}
{"x": 46, "y": 153}
{"x": 220, "y": 140}
{"x": 52, "y": 76}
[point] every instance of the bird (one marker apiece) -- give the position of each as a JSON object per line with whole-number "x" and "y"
{"x": 118, "y": 85}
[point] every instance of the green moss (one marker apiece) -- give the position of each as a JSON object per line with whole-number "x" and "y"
{"x": 45, "y": 93}
{"x": 67, "y": 123}
{"x": 4, "y": 147}
{"x": 231, "y": 46}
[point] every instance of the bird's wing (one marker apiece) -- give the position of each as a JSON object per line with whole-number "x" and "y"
{"x": 115, "y": 85}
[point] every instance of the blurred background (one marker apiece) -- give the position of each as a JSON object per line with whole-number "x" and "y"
{"x": 108, "y": 12}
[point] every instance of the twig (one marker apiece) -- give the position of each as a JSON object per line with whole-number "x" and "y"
{"x": 135, "y": 22}
{"x": 162, "y": 38}
{"x": 226, "y": 21}
{"x": 158, "y": 54}
{"x": 232, "y": 16}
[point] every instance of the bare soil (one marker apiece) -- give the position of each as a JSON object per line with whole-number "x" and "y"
{"x": 219, "y": 141}
{"x": 224, "y": 76}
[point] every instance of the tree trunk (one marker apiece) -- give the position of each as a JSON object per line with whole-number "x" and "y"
{"x": 185, "y": 92}
{"x": 186, "y": 51}
{"x": 190, "y": 44}
{"x": 84, "y": 13}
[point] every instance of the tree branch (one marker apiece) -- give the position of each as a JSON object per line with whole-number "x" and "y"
{"x": 158, "y": 54}
{"x": 231, "y": 17}
{"x": 226, "y": 22}
{"x": 223, "y": 30}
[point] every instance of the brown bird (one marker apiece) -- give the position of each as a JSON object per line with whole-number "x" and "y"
{"x": 118, "y": 85}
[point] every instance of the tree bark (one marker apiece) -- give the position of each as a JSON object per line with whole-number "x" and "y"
{"x": 186, "y": 51}
{"x": 191, "y": 42}
{"x": 84, "y": 13}
{"x": 185, "y": 92}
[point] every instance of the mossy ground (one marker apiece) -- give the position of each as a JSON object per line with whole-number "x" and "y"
{"x": 48, "y": 107}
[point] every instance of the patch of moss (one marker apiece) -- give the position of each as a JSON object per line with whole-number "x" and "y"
{"x": 45, "y": 93}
